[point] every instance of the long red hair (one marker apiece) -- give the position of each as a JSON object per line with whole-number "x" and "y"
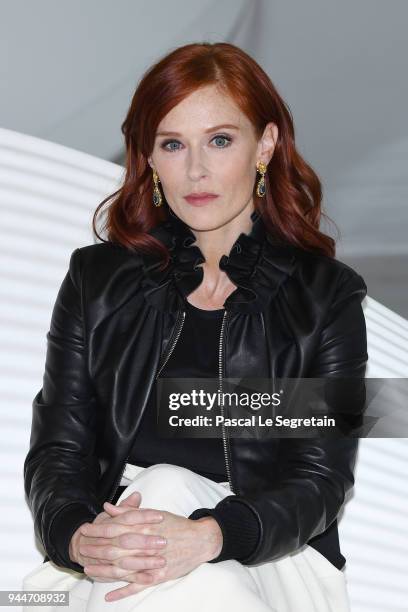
{"x": 292, "y": 204}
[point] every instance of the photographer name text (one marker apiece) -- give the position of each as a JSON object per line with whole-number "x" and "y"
{"x": 254, "y": 420}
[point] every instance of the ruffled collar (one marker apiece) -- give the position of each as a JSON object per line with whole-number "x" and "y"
{"x": 258, "y": 263}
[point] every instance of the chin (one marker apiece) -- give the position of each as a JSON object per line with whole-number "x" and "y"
{"x": 205, "y": 218}
{"x": 200, "y": 219}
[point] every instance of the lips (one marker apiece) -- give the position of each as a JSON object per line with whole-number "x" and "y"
{"x": 200, "y": 198}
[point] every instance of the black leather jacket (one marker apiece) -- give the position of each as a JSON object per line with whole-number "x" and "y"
{"x": 115, "y": 322}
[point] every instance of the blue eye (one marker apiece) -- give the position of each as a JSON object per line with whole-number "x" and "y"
{"x": 220, "y": 136}
{"x": 167, "y": 142}
{"x": 228, "y": 139}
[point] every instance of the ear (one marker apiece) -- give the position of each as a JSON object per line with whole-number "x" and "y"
{"x": 267, "y": 143}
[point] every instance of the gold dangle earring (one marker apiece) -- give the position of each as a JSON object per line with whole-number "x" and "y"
{"x": 157, "y": 199}
{"x": 260, "y": 189}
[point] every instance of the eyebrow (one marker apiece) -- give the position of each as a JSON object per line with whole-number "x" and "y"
{"x": 212, "y": 129}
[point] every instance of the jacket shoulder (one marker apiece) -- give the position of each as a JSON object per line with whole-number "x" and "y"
{"x": 105, "y": 267}
{"x": 107, "y": 252}
{"x": 105, "y": 257}
{"x": 328, "y": 276}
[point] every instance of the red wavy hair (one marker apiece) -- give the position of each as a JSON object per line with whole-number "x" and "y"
{"x": 292, "y": 204}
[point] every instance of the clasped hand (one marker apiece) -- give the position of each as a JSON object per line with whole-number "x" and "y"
{"x": 125, "y": 546}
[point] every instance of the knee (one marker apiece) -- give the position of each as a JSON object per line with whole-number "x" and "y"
{"x": 169, "y": 476}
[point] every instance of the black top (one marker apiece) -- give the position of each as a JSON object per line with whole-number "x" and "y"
{"x": 196, "y": 356}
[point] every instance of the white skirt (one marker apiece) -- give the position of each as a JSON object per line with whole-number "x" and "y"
{"x": 304, "y": 580}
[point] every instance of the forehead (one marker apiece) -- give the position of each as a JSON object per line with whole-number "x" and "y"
{"x": 202, "y": 109}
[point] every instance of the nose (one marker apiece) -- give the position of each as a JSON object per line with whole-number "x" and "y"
{"x": 196, "y": 164}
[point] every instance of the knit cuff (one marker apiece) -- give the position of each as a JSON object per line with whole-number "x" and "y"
{"x": 239, "y": 526}
{"x": 63, "y": 527}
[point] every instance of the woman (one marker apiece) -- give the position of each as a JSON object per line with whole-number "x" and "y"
{"x": 238, "y": 284}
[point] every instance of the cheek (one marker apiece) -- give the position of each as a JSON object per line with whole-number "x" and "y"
{"x": 171, "y": 177}
{"x": 240, "y": 177}
{"x": 237, "y": 169}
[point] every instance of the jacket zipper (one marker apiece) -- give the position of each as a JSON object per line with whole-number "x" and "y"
{"x": 173, "y": 344}
{"x": 224, "y": 437}
{"x": 177, "y": 336}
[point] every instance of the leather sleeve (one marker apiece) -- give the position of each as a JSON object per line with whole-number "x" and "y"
{"x": 61, "y": 471}
{"x": 315, "y": 474}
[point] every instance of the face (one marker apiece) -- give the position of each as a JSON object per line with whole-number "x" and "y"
{"x": 197, "y": 158}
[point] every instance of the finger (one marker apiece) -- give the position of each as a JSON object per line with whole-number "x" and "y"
{"x": 102, "y": 516}
{"x": 107, "y": 571}
{"x": 119, "y": 547}
{"x": 128, "y": 517}
{"x": 99, "y": 541}
{"x": 91, "y": 561}
{"x": 141, "y": 541}
{"x": 129, "y": 589}
{"x": 110, "y": 552}
{"x": 138, "y": 578}
{"x": 109, "y": 529}
{"x": 88, "y": 561}
{"x": 116, "y": 510}
{"x": 133, "y": 499}
{"x": 136, "y": 564}
{"x": 140, "y": 563}
{"x": 133, "y": 516}
{"x": 147, "y": 549}
{"x": 112, "y": 510}
{"x": 107, "y": 553}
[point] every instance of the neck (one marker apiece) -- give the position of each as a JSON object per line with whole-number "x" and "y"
{"x": 257, "y": 264}
{"x": 217, "y": 242}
